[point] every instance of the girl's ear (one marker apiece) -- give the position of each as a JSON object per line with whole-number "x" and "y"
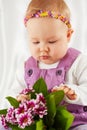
{"x": 69, "y": 34}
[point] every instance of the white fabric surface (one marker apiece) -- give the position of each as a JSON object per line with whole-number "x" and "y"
{"x": 13, "y": 43}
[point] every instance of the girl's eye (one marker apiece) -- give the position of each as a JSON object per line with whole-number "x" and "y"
{"x": 36, "y": 42}
{"x": 52, "y": 41}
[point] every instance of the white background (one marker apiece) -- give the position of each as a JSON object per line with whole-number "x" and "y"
{"x": 13, "y": 43}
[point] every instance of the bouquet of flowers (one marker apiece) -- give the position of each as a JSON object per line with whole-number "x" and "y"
{"x": 42, "y": 111}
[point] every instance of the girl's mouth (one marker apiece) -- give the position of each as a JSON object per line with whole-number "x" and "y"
{"x": 44, "y": 57}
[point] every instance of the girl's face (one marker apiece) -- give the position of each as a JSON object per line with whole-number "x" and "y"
{"x": 48, "y": 39}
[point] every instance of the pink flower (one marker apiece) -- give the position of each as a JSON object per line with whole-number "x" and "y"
{"x": 40, "y": 98}
{"x": 10, "y": 116}
{"x": 4, "y": 122}
{"x": 21, "y": 109}
{"x": 27, "y": 90}
{"x": 40, "y": 108}
{"x": 31, "y": 104}
{"x": 24, "y": 120}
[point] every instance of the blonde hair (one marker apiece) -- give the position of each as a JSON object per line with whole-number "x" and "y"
{"x": 58, "y": 6}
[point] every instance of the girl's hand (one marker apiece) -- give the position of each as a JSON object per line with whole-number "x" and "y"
{"x": 22, "y": 97}
{"x": 68, "y": 91}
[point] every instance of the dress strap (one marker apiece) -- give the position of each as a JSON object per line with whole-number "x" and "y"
{"x": 69, "y": 58}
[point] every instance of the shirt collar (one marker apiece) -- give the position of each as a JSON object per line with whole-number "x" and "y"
{"x": 47, "y": 66}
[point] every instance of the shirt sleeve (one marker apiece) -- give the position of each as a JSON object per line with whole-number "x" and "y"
{"x": 16, "y": 87}
{"x": 76, "y": 79}
{"x": 19, "y": 82}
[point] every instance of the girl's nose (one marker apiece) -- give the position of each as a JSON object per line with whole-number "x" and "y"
{"x": 44, "y": 47}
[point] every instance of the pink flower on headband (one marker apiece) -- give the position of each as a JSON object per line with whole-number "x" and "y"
{"x": 40, "y": 14}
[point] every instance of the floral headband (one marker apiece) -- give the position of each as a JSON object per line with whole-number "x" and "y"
{"x": 40, "y": 14}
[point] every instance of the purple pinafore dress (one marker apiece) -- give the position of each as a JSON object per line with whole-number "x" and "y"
{"x": 54, "y": 77}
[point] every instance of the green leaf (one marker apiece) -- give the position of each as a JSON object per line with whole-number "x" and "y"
{"x": 63, "y": 119}
{"x": 52, "y": 129}
{"x": 13, "y": 101}
{"x": 40, "y": 125}
{"x": 32, "y": 127}
{"x": 16, "y": 128}
{"x": 41, "y": 87}
{"x": 58, "y": 96}
{"x": 3, "y": 112}
{"x": 51, "y": 107}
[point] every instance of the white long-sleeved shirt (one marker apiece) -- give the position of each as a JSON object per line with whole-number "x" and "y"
{"x": 76, "y": 79}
